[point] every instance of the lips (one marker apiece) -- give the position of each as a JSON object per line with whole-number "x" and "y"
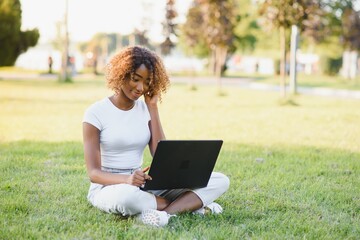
{"x": 137, "y": 94}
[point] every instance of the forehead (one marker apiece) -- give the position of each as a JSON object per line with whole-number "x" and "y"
{"x": 142, "y": 71}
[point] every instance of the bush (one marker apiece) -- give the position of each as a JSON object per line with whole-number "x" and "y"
{"x": 330, "y": 66}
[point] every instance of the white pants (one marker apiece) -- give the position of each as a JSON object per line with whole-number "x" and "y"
{"x": 127, "y": 199}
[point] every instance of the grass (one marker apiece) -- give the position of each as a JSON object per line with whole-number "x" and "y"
{"x": 17, "y": 70}
{"x": 294, "y": 168}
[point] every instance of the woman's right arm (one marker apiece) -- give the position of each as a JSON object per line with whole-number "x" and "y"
{"x": 91, "y": 138}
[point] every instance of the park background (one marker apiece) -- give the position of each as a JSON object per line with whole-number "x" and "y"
{"x": 292, "y": 156}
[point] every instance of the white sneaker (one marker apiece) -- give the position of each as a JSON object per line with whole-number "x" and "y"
{"x": 154, "y": 217}
{"x": 213, "y": 207}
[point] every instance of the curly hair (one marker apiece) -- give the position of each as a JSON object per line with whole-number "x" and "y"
{"x": 123, "y": 65}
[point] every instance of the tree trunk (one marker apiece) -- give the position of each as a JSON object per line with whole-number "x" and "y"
{"x": 346, "y": 64}
{"x": 349, "y": 67}
{"x": 118, "y": 42}
{"x": 64, "y": 73}
{"x": 220, "y": 56}
{"x": 283, "y": 62}
{"x": 193, "y": 74}
{"x": 353, "y": 64}
{"x": 212, "y": 61}
{"x": 132, "y": 39}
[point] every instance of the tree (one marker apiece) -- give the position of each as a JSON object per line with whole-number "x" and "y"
{"x": 141, "y": 38}
{"x": 214, "y": 21}
{"x": 343, "y": 39}
{"x": 192, "y": 41}
{"x": 282, "y": 14}
{"x": 219, "y": 19}
{"x": 169, "y": 28}
{"x": 351, "y": 40}
{"x": 13, "y": 41}
{"x": 246, "y": 29}
{"x": 98, "y": 47}
{"x": 65, "y": 75}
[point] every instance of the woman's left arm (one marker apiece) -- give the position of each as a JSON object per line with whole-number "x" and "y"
{"x": 156, "y": 130}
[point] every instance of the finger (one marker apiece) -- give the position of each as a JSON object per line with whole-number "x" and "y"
{"x": 148, "y": 177}
{"x": 139, "y": 173}
{"x": 139, "y": 177}
{"x": 145, "y": 169}
{"x": 138, "y": 182}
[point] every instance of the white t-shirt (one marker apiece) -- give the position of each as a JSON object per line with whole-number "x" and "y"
{"x": 123, "y": 134}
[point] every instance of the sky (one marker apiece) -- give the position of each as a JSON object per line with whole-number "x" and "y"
{"x": 87, "y": 17}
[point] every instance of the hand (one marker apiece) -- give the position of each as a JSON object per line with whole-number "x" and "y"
{"x": 151, "y": 101}
{"x": 139, "y": 177}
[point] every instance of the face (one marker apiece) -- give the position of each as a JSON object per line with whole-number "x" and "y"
{"x": 138, "y": 84}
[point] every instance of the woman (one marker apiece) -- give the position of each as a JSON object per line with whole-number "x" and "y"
{"x": 116, "y": 131}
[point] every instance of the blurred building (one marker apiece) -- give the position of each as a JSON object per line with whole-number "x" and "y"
{"x": 36, "y": 58}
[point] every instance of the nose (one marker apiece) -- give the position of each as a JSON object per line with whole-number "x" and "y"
{"x": 140, "y": 86}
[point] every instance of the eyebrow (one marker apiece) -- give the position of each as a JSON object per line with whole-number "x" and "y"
{"x": 141, "y": 76}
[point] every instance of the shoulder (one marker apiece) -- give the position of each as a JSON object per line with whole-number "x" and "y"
{"x": 96, "y": 113}
{"x": 98, "y": 106}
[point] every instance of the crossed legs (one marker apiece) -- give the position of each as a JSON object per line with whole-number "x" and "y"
{"x": 187, "y": 202}
{"x": 130, "y": 200}
{"x": 191, "y": 200}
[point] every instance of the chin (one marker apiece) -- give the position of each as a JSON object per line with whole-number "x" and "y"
{"x": 136, "y": 96}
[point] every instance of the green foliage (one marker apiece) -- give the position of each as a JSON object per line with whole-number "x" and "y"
{"x": 330, "y": 66}
{"x": 216, "y": 19}
{"x": 99, "y": 44}
{"x": 351, "y": 28}
{"x": 246, "y": 29}
{"x": 200, "y": 49}
{"x": 192, "y": 40}
{"x": 342, "y": 29}
{"x": 282, "y": 15}
{"x": 285, "y": 13}
{"x": 219, "y": 22}
{"x": 108, "y": 43}
{"x": 13, "y": 41}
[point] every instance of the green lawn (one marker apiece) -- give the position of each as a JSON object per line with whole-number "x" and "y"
{"x": 294, "y": 169}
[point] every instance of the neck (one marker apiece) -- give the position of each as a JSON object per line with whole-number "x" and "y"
{"x": 121, "y": 102}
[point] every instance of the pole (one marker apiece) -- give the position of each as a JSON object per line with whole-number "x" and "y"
{"x": 64, "y": 76}
{"x": 293, "y": 50}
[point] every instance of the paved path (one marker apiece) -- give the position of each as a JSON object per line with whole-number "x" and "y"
{"x": 246, "y": 83}
{"x": 251, "y": 84}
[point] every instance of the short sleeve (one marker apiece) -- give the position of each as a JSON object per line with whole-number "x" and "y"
{"x": 146, "y": 110}
{"x": 91, "y": 117}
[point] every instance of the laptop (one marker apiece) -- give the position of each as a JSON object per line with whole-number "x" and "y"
{"x": 182, "y": 164}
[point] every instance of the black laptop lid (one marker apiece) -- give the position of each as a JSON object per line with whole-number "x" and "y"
{"x": 183, "y": 164}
